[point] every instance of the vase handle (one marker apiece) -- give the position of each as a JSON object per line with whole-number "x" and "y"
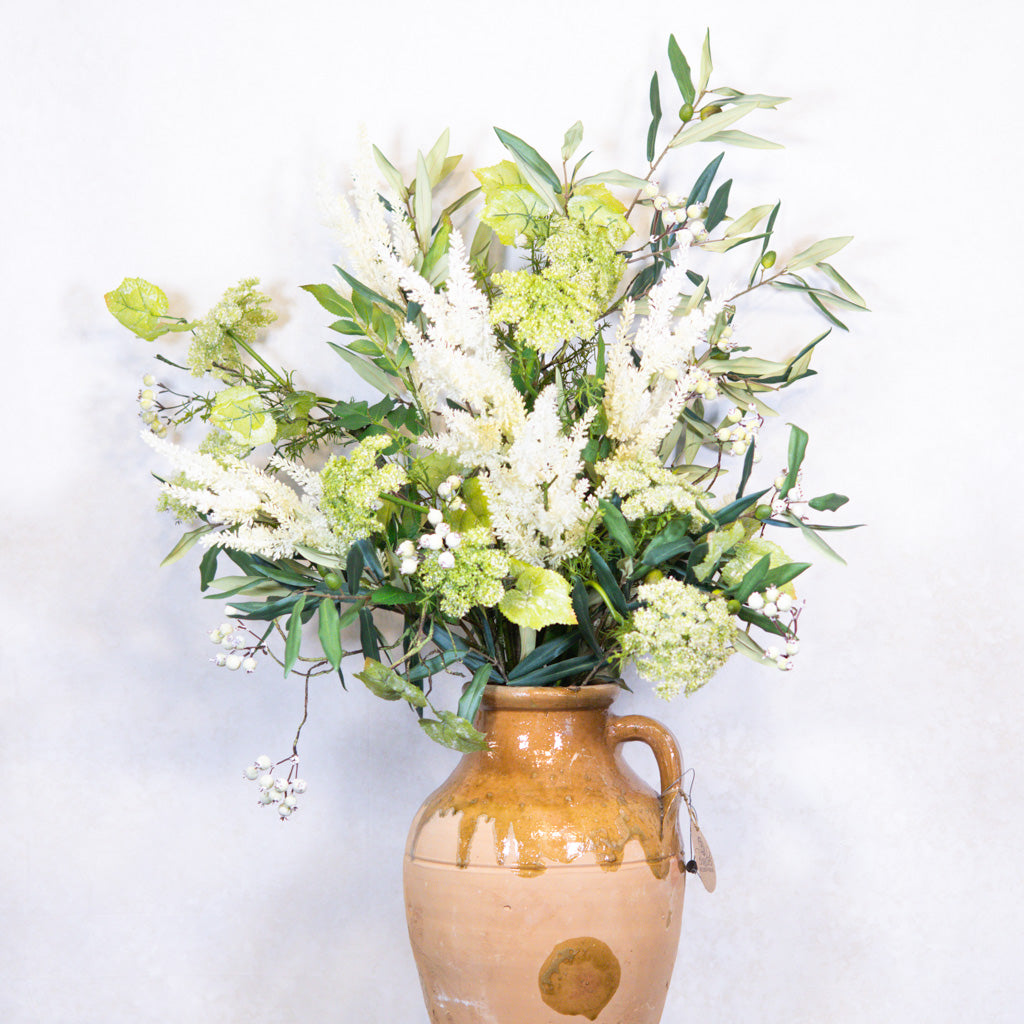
{"x": 670, "y": 768}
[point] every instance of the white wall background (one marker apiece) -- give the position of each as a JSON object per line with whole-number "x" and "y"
{"x": 865, "y": 810}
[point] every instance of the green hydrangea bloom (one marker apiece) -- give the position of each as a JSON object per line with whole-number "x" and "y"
{"x": 565, "y": 299}
{"x": 352, "y": 487}
{"x": 240, "y": 314}
{"x": 476, "y": 578}
{"x": 679, "y": 637}
{"x": 241, "y": 412}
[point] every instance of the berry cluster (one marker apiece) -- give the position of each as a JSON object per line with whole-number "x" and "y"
{"x": 277, "y": 791}
{"x": 237, "y": 650}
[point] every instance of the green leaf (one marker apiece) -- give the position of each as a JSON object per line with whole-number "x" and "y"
{"x": 681, "y": 71}
{"x": 608, "y": 582}
{"x": 581, "y": 606}
{"x": 572, "y": 140}
{"x": 187, "y": 542}
{"x": 524, "y": 153}
{"x": 435, "y": 159}
{"x": 354, "y": 565}
{"x": 718, "y": 543}
{"x": 829, "y": 502}
{"x": 330, "y": 299}
{"x": 438, "y": 247}
{"x": 620, "y": 178}
{"x": 560, "y": 670}
{"x": 748, "y": 465}
{"x": 819, "y": 251}
{"x": 797, "y": 447}
{"x": 384, "y": 682}
{"x": 330, "y": 631}
{"x": 753, "y": 578}
{"x": 702, "y": 185}
{"x": 783, "y": 574}
{"x": 539, "y": 598}
{"x": 389, "y": 594}
{"x": 511, "y": 206}
{"x": 845, "y": 287}
{"x": 698, "y": 131}
{"x": 422, "y": 202}
{"x": 757, "y": 99}
{"x": 469, "y": 702}
{"x": 360, "y": 289}
{"x": 735, "y": 509}
{"x": 618, "y": 527}
{"x": 208, "y": 567}
{"x": 370, "y": 372}
{"x": 718, "y": 205}
{"x": 813, "y": 539}
{"x": 749, "y": 220}
{"x": 452, "y": 731}
{"x": 705, "y": 63}
{"x": 734, "y": 137}
{"x": 390, "y": 173}
{"x": 543, "y": 655}
{"x": 368, "y": 634}
{"x": 652, "y": 132}
{"x": 294, "y": 635}
{"x": 139, "y": 305}
{"x": 673, "y": 539}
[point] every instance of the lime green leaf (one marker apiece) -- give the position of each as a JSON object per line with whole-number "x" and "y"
{"x": 454, "y": 732}
{"x": 139, "y": 305}
{"x": 330, "y": 631}
{"x": 749, "y": 220}
{"x": 573, "y": 138}
{"x": 384, "y": 682}
{"x": 817, "y": 252}
{"x": 330, "y": 299}
{"x": 241, "y": 412}
{"x": 830, "y": 502}
{"x": 735, "y": 137}
{"x": 718, "y": 542}
{"x": 681, "y": 71}
{"x": 511, "y": 206}
{"x": 186, "y": 543}
{"x": 705, "y": 63}
{"x": 698, "y": 131}
{"x": 294, "y": 635}
{"x": 594, "y": 204}
{"x": 540, "y": 597}
{"x": 391, "y": 175}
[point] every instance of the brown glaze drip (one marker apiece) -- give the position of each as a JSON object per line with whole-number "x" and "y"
{"x": 580, "y": 977}
{"x": 554, "y": 785}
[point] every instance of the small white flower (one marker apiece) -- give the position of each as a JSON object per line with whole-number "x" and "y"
{"x": 734, "y": 415}
{"x": 226, "y": 627}
{"x": 266, "y": 797}
{"x": 409, "y": 566}
{"x": 786, "y": 664}
{"x": 772, "y": 653}
{"x": 146, "y": 404}
{"x": 216, "y": 636}
{"x": 660, "y": 202}
{"x": 771, "y": 594}
{"x": 284, "y": 810}
{"x": 454, "y": 481}
{"x": 435, "y": 516}
{"x": 442, "y": 530}
{"x": 280, "y": 785}
{"x": 446, "y": 560}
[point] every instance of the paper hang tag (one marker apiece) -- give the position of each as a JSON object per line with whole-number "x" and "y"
{"x": 702, "y": 856}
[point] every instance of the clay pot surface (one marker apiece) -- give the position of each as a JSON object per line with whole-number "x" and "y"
{"x": 544, "y": 878}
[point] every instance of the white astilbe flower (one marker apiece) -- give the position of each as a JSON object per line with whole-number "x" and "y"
{"x": 260, "y": 514}
{"x": 458, "y": 359}
{"x": 539, "y": 501}
{"x": 376, "y": 242}
{"x": 643, "y": 402}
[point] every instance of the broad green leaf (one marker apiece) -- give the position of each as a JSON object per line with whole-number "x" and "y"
{"x": 469, "y": 702}
{"x": 539, "y": 598}
{"x": 752, "y": 579}
{"x": 705, "y": 63}
{"x": 438, "y": 247}
{"x": 823, "y": 502}
{"x": 329, "y": 631}
{"x": 389, "y": 594}
{"x": 718, "y": 543}
{"x": 455, "y": 732}
{"x": 618, "y": 527}
{"x": 698, "y": 131}
{"x": 370, "y": 372}
{"x": 573, "y": 138}
{"x": 391, "y": 175}
{"x": 384, "y": 682}
{"x": 718, "y": 205}
{"x": 524, "y": 153}
{"x": 293, "y": 639}
{"x": 596, "y": 205}
{"x": 735, "y": 137}
{"x": 748, "y": 221}
{"x": 187, "y": 542}
{"x": 797, "y": 447}
{"x": 330, "y": 299}
{"x": 360, "y": 290}
{"x": 511, "y": 206}
{"x": 240, "y": 411}
{"x": 620, "y": 178}
{"x": 817, "y": 252}
{"x": 139, "y": 305}
{"x": 652, "y": 132}
{"x": 681, "y": 71}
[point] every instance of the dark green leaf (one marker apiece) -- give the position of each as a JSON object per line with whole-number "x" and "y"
{"x": 560, "y": 670}
{"x": 263, "y": 610}
{"x": 797, "y": 447}
{"x": 294, "y": 635}
{"x": 731, "y": 512}
{"x": 543, "y": 655}
{"x": 354, "y": 569}
{"x": 389, "y": 594}
{"x": 330, "y": 631}
{"x": 652, "y": 132}
{"x": 530, "y": 157}
{"x": 187, "y": 542}
{"x": 608, "y": 582}
{"x": 681, "y": 70}
{"x": 702, "y": 185}
{"x": 581, "y": 606}
{"x": 436, "y": 664}
{"x": 360, "y": 289}
{"x": 208, "y": 566}
{"x": 748, "y": 465}
{"x": 673, "y": 539}
{"x": 469, "y": 702}
{"x": 762, "y": 621}
{"x": 783, "y": 574}
{"x": 368, "y": 635}
{"x": 718, "y": 205}
{"x": 618, "y": 527}
{"x": 825, "y": 501}
{"x": 753, "y": 578}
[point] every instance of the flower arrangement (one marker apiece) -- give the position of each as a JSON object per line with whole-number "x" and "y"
{"x": 555, "y": 481}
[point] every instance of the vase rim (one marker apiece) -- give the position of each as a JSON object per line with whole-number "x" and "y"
{"x": 550, "y": 698}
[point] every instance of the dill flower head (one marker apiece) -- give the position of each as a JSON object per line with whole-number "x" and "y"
{"x": 240, "y": 314}
{"x": 680, "y": 636}
{"x": 468, "y": 576}
{"x": 352, "y": 487}
{"x": 566, "y": 298}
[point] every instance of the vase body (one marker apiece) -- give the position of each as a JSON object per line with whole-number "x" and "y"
{"x": 544, "y": 879}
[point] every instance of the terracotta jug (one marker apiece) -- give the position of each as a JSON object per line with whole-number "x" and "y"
{"x": 544, "y": 879}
